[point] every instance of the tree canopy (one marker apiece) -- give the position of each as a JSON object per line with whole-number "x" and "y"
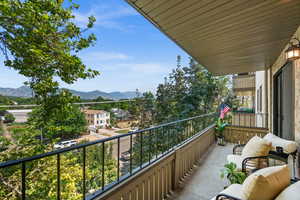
{"x": 40, "y": 40}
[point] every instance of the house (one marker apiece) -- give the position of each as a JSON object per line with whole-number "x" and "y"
{"x": 97, "y": 118}
{"x": 121, "y": 114}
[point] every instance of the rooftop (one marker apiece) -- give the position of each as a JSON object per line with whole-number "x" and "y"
{"x": 88, "y": 111}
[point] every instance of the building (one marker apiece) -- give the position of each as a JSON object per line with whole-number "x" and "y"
{"x": 97, "y": 118}
{"x": 250, "y": 89}
{"x": 244, "y": 90}
{"x": 21, "y": 116}
{"x": 121, "y": 114}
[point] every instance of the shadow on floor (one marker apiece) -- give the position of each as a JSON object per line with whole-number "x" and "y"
{"x": 204, "y": 181}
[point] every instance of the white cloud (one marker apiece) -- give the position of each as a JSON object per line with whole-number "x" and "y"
{"x": 98, "y": 56}
{"x": 145, "y": 68}
{"x": 106, "y": 16}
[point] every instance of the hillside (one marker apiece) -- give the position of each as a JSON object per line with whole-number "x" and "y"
{"x": 25, "y": 91}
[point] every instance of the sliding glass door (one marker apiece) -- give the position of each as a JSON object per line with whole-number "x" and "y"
{"x": 283, "y": 103}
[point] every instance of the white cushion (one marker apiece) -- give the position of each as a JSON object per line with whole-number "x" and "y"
{"x": 266, "y": 183}
{"x": 287, "y": 145}
{"x": 237, "y": 159}
{"x": 234, "y": 190}
{"x": 290, "y": 193}
{"x": 256, "y": 146}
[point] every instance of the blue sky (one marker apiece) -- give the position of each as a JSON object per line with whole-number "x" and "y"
{"x": 130, "y": 52}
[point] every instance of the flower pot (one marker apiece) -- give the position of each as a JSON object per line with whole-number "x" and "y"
{"x": 221, "y": 141}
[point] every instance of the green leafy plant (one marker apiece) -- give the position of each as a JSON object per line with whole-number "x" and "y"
{"x": 9, "y": 118}
{"x": 220, "y": 127}
{"x": 233, "y": 175}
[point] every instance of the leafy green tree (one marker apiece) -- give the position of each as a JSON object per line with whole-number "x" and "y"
{"x": 40, "y": 40}
{"x": 5, "y": 100}
{"x": 41, "y": 176}
{"x": 9, "y": 118}
{"x": 65, "y": 121}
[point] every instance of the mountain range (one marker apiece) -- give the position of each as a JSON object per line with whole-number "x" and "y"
{"x": 25, "y": 91}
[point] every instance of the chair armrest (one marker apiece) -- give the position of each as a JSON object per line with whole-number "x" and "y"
{"x": 226, "y": 197}
{"x": 246, "y": 161}
{"x": 279, "y": 156}
{"x": 294, "y": 180}
{"x": 237, "y": 149}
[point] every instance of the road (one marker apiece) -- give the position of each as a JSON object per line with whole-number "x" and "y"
{"x": 124, "y": 146}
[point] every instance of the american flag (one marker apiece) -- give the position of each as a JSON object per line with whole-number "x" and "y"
{"x": 224, "y": 108}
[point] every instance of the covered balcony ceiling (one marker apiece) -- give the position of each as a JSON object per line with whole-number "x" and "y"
{"x": 226, "y": 36}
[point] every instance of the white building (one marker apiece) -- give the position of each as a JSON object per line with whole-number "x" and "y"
{"x": 261, "y": 98}
{"x": 97, "y": 118}
{"x": 21, "y": 116}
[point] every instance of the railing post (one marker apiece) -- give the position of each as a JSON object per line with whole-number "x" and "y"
{"x": 175, "y": 172}
{"x": 23, "y": 181}
{"x": 84, "y": 173}
{"x": 58, "y": 177}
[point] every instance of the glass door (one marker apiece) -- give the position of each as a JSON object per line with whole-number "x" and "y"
{"x": 283, "y": 103}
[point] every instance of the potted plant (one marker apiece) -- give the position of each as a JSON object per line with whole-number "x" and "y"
{"x": 233, "y": 175}
{"x": 220, "y": 126}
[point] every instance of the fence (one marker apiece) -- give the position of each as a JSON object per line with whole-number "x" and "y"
{"x": 241, "y": 135}
{"x": 244, "y": 119}
{"x": 98, "y": 167}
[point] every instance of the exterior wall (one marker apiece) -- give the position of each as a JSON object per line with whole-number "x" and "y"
{"x": 244, "y": 89}
{"x": 260, "y": 113}
{"x": 297, "y": 101}
{"x": 281, "y": 60}
{"x": 100, "y": 119}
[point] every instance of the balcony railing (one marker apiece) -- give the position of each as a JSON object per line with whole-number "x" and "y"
{"x": 249, "y": 120}
{"x": 144, "y": 149}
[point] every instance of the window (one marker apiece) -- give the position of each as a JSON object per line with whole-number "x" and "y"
{"x": 260, "y": 88}
{"x": 259, "y": 99}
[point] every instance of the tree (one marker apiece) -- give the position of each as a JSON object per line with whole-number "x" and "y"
{"x": 9, "y": 118}
{"x": 41, "y": 174}
{"x": 65, "y": 121}
{"x": 40, "y": 40}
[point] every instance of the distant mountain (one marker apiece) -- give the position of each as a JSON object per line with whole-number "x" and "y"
{"x": 25, "y": 91}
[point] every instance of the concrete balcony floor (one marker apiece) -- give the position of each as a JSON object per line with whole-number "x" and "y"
{"x": 204, "y": 182}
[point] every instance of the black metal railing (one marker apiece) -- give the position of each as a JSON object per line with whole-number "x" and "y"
{"x": 248, "y": 119}
{"x": 95, "y": 167}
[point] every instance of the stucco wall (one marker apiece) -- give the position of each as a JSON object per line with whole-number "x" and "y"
{"x": 296, "y": 85}
{"x": 297, "y": 101}
{"x": 260, "y": 82}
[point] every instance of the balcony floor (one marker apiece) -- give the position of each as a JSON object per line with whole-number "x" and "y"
{"x": 205, "y": 182}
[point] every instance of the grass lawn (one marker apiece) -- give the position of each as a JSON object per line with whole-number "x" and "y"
{"x": 122, "y": 131}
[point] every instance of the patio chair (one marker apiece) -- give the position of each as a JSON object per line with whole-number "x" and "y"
{"x": 272, "y": 183}
{"x": 281, "y": 149}
{"x": 252, "y": 156}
